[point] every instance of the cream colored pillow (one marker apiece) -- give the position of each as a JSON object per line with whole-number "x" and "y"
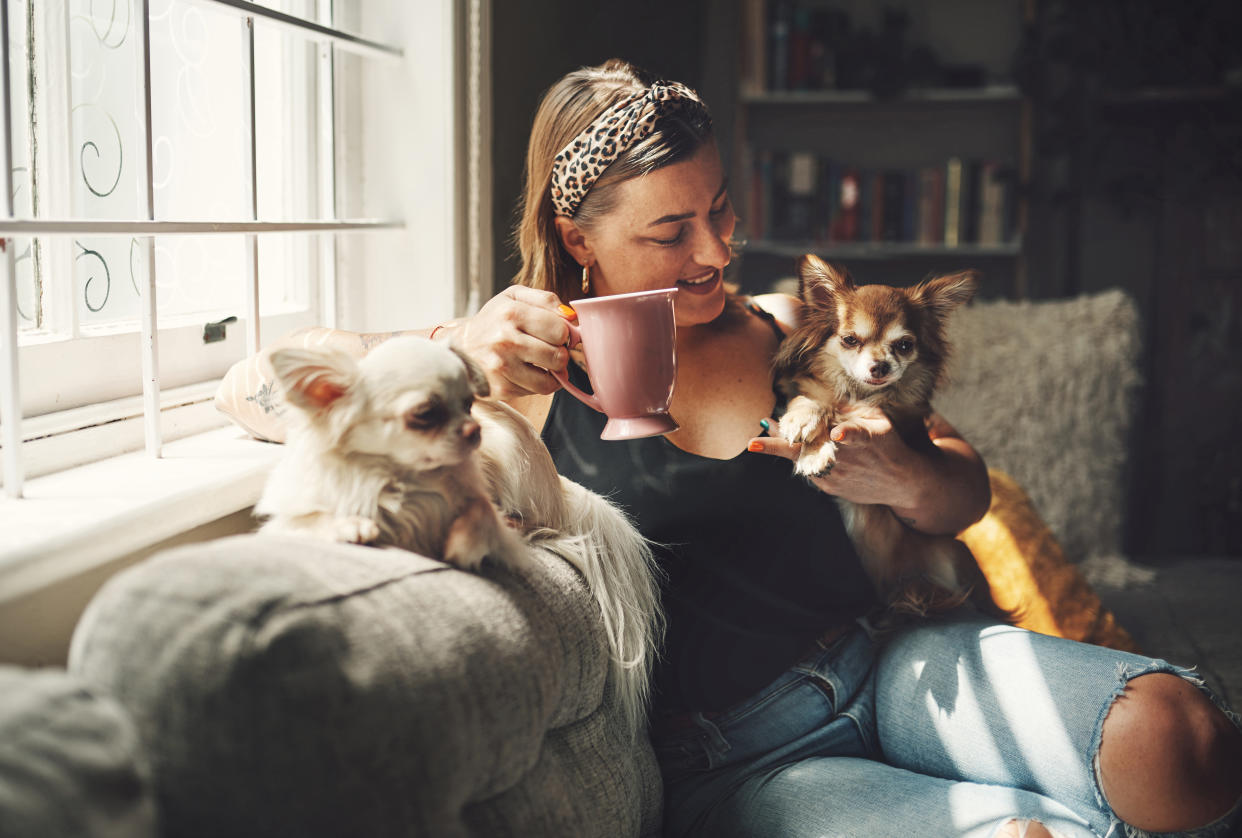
{"x": 1047, "y": 392}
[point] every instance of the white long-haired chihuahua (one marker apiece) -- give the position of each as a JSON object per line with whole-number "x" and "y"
{"x": 382, "y": 451}
{"x": 398, "y": 449}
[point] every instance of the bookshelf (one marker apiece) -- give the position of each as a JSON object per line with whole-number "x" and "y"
{"x": 921, "y": 170}
{"x": 985, "y": 93}
{"x": 883, "y": 250}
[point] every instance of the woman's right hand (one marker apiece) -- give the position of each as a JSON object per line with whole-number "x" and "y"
{"x": 516, "y": 337}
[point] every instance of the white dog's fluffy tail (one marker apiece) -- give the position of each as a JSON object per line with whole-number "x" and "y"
{"x": 590, "y": 533}
{"x": 599, "y": 540}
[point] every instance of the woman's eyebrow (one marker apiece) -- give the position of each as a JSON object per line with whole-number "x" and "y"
{"x": 667, "y": 219}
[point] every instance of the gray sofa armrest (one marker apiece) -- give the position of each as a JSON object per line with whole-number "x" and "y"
{"x": 285, "y": 686}
{"x": 70, "y": 763}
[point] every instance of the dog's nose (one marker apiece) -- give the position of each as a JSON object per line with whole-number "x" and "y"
{"x": 471, "y": 432}
{"x": 880, "y": 369}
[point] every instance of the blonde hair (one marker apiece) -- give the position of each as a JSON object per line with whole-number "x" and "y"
{"x": 566, "y": 110}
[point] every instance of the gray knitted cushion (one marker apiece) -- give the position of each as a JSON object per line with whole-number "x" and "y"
{"x": 69, "y": 761}
{"x": 293, "y": 687}
{"x": 1047, "y": 392}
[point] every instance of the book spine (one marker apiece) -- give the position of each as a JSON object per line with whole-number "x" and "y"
{"x": 971, "y": 181}
{"x": 931, "y": 206}
{"x": 845, "y": 226}
{"x": 894, "y": 206}
{"x": 1009, "y": 231}
{"x": 909, "y": 206}
{"x": 800, "y": 68}
{"x": 778, "y": 42}
{"x": 991, "y": 204}
{"x": 953, "y": 202}
{"x": 866, "y": 186}
{"x": 778, "y": 228}
{"x": 827, "y": 199}
{"x": 877, "y": 206}
{"x": 761, "y": 196}
{"x": 754, "y": 47}
{"x": 803, "y": 178}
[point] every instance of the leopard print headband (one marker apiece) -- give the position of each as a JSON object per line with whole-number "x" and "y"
{"x": 579, "y": 165}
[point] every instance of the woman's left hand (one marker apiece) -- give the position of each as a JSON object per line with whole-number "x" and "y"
{"x": 872, "y": 462}
{"x": 942, "y": 490}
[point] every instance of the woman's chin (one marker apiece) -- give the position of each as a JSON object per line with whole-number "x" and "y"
{"x": 697, "y": 310}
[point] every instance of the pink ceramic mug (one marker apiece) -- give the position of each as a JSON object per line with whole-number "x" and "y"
{"x": 630, "y": 342}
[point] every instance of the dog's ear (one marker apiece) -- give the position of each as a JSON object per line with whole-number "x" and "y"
{"x": 942, "y": 294}
{"x": 313, "y": 379}
{"x": 820, "y": 282}
{"x": 474, "y": 374}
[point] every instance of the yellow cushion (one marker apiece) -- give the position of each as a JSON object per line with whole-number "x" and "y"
{"x": 1029, "y": 575}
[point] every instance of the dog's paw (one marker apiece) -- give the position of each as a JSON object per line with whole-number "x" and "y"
{"x": 802, "y": 422}
{"x": 355, "y": 530}
{"x": 471, "y": 534}
{"x": 512, "y": 551}
{"x": 816, "y": 461}
{"x": 925, "y": 597}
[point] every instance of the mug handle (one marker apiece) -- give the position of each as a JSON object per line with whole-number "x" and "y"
{"x": 587, "y": 399}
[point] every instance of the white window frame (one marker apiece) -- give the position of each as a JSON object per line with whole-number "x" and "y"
{"x": 78, "y": 348}
{"x": 411, "y": 279}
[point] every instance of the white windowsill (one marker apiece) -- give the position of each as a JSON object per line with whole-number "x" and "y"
{"x": 74, "y": 520}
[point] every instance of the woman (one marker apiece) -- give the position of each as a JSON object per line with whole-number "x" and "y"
{"x": 777, "y": 712}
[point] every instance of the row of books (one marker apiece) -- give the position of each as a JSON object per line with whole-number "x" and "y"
{"x": 804, "y": 197}
{"x": 783, "y": 50}
{"x": 816, "y": 45}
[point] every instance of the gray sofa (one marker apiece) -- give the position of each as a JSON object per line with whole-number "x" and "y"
{"x": 70, "y": 761}
{"x": 265, "y": 686}
{"x": 283, "y": 686}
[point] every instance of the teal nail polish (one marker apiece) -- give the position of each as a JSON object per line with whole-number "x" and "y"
{"x": 763, "y": 423}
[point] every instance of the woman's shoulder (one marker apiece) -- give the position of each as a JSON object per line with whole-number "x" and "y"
{"x": 786, "y": 310}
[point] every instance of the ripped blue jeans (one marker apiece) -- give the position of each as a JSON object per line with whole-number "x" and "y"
{"x": 946, "y": 729}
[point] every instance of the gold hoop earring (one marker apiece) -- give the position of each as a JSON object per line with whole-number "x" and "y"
{"x": 586, "y": 279}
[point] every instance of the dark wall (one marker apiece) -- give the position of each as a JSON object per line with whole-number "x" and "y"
{"x": 535, "y": 42}
{"x": 1138, "y": 145}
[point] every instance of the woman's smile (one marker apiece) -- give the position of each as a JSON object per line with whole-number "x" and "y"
{"x": 705, "y": 283}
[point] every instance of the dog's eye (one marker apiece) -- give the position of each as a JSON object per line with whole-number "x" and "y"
{"x": 850, "y": 341}
{"x": 421, "y": 419}
{"x": 904, "y": 346}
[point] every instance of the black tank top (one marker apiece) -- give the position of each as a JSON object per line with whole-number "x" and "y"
{"x": 757, "y": 560}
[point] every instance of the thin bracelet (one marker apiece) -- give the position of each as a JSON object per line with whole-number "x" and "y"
{"x": 449, "y": 325}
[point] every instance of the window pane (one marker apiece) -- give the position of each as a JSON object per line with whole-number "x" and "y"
{"x": 108, "y": 156}
{"x": 299, "y": 8}
{"x": 285, "y": 124}
{"x": 288, "y": 271}
{"x": 198, "y": 105}
{"x": 374, "y": 19}
{"x": 107, "y": 274}
{"x": 195, "y": 275}
{"x": 105, "y": 139}
{"x": 29, "y": 302}
{"x": 201, "y": 152}
{"x": 200, "y": 275}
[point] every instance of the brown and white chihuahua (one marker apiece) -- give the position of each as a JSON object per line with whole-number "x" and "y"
{"x": 862, "y": 351}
